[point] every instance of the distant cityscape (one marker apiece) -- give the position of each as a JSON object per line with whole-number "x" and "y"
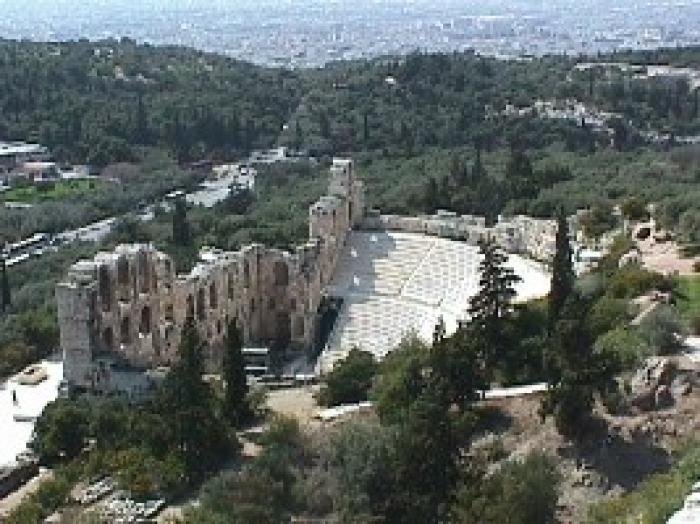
{"x": 310, "y": 33}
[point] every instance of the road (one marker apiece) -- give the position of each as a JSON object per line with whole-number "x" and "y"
{"x": 209, "y": 194}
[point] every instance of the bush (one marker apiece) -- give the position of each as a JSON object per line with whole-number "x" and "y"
{"x": 626, "y": 345}
{"x": 606, "y": 314}
{"x": 521, "y": 492}
{"x": 350, "y": 381}
{"x": 663, "y": 330}
{"x": 632, "y": 281}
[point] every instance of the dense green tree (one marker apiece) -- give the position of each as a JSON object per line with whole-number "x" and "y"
{"x": 234, "y": 406}
{"x": 422, "y": 488}
{"x": 350, "y": 380}
{"x": 188, "y": 402}
{"x": 530, "y": 485}
{"x": 61, "y": 431}
{"x": 181, "y": 235}
{"x": 263, "y": 490}
{"x": 664, "y": 330}
{"x": 490, "y": 307}
{"x": 575, "y": 371}
{"x": 5, "y": 293}
{"x": 357, "y": 459}
{"x": 562, "y": 284}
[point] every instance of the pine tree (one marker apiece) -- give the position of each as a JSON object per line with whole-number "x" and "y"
{"x": 141, "y": 121}
{"x": 324, "y": 125}
{"x": 478, "y": 169}
{"x": 431, "y": 195}
{"x": 491, "y": 306}
{"x": 562, "y": 271}
{"x": 235, "y": 408}
{"x": 5, "y": 298}
{"x": 189, "y": 402}
{"x": 298, "y": 136}
{"x": 575, "y": 371}
{"x": 365, "y": 127}
{"x": 181, "y": 228}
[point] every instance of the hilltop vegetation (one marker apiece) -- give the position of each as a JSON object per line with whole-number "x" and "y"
{"x": 95, "y": 102}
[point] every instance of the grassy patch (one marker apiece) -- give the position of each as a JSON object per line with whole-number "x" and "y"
{"x": 689, "y": 304}
{"x": 60, "y": 190}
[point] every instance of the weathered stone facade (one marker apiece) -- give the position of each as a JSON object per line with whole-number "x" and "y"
{"x": 128, "y": 306}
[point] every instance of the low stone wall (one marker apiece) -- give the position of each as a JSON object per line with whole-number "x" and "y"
{"x": 532, "y": 237}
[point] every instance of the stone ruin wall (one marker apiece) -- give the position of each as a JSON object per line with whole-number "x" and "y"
{"x": 128, "y": 306}
{"x": 532, "y": 237}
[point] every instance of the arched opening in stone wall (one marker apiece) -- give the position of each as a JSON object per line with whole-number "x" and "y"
{"x": 169, "y": 313}
{"x": 126, "y": 330}
{"x": 201, "y": 304}
{"x": 145, "y": 324}
{"x": 283, "y": 330}
{"x": 299, "y": 327}
{"x": 123, "y": 278}
{"x": 230, "y": 286}
{"x": 105, "y": 289}
{"x": 281, "y": 272}
{"x": 246, "y": 274}
{"x": 213, "y": 299}
{"x": 108, "y": 339}
{"x": 144, "y": 272}
{"x": 190, "y": 307}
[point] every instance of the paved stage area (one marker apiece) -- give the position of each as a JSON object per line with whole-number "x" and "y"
{"x": 392, "y": 283}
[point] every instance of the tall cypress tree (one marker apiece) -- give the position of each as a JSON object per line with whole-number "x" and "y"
{"x": 562, "y": 271}
{"x": 234, "y": 406}
{"x": 181, "y": 228}
{"x": 478, "y": 169}
{"x": 490, "y": 307}
{"x": 576, "y": 372}
{"x": 188, "y": 401}
{"x": 5, "y": 299}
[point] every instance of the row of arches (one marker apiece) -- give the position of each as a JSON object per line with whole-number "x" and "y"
{"x": 125, "y": 329}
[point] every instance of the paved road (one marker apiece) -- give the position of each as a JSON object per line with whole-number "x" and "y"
{"x": 210, "y": 193}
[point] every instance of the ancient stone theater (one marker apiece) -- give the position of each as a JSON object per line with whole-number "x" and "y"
{"x": 126, "y": 309}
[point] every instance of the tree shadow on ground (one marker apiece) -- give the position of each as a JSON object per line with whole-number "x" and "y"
{"x": 623, "y": 461}
{"x": 492, "y": 419}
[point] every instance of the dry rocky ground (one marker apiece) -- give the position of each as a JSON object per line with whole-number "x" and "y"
{"x": 624, "y": 449}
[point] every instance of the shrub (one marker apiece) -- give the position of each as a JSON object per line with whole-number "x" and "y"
{"x": 663, "y": 330}
{"x": 521, "y": 492}
{"x": 632, "y": 281}
{"x": 626, "y": 345}
{"x": 606, "y": 314}
{"x": 350, "y": 381}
